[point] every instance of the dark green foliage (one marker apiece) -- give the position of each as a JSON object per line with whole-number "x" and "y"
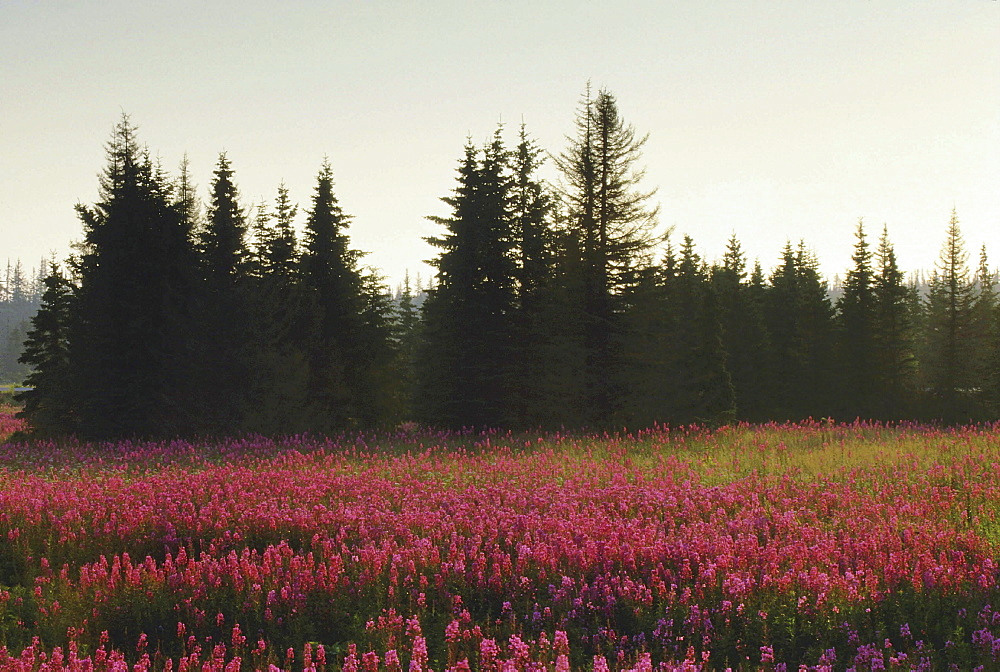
{"x": 612, "y": 223}
{"x": 948, "y": 353}
{"x": 48, "y": 405}
{"x": 895, "y": 361}
{"x": 222, "y": 352}
{"x": 548, "y": 310}
{"x": 799, "y": 318}
{"x": 744, "y": 335}
{"x": 468, "y": 344}
{"x": 533, "y": 383}
{"x": 406, "y": 334}
{"x": 856, "y": 313}
{"x": 136, "y": 269}
{"x": 277, "y": 401}
{"x": 347, "y": 334}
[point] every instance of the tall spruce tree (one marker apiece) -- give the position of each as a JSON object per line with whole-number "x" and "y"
{"x": 948, "y": 352}
{"x": 277, "y": 364}
{"x": 856, "y": 312}
{"x": 983, "y": 325}
{"x": 744, "y": 335}
{"x": 532, "y": 380}
{"x": 333, "y": 284}
{"x": 48, "y": 401}
{"x": 224, "y": 349}
{"x": 800, "y": 323}
{"x": 128, "y": 339}
{"x": 467, "y": 343}
{"x": 699, "y": 374}
{"x": 895, "y": 361}
{"x": 614, "y": 224}
{"x": 407, "y": 337}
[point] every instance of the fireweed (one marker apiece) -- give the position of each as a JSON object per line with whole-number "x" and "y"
{"x": 857, "y": 546}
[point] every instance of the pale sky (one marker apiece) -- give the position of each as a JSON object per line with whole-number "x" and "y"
{"x": 773, "y": 120}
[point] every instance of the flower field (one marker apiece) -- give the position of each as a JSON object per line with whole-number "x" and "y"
{"x": 750, "y": 547}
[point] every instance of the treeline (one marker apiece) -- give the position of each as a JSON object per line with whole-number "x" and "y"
{"x": 20, "y": 296}
{"x": 554, "y": 305}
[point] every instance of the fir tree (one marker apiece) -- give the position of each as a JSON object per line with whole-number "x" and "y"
{"x": 128, "y": 339}
{"x": 333, "y": 287}
{"x": 800, "y": 323}
{"x": 949, "y": 345}
{"x": 225, "y": 346}
{"x": 614, "y": 226}
{"x": 48, "y": 403}
{"x": 895, "y": 362}
{"x": 533, "y": 237}
{"x": 983, "y": 323}
{"x": 744, "y": 335}
{"x": 278, "y": 366}
{"x": 469, "y": 313}
{"x": 407, "y": 338}
{"x": 856, "y": 315}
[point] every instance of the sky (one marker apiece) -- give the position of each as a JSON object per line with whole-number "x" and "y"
{"x": 773, "y": 120}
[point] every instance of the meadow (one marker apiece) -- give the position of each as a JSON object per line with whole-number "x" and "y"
{"x": 829, "y": 546}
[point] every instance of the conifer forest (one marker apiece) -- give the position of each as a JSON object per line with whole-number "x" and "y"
{"x": 556, "y": 304}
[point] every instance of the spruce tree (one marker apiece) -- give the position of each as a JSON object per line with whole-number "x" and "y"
{"x": 650, "y": 354}
{"x": 614, "y": 225}
{"x": 48, "y": 402}
{"x": 984, "y": 325}
{"x": 744, "y": 335}
{"x": 407, "y": 338}
{"x": 856, "y": 316}
{"x": 278, "y": 366}
{"x": 224, "y": 350}
{"x": 800, "y": 323}
{"x": 333, "y": 297}
{"x": 895, "y": 361}
{"x": 948, "y": 351}
{"x": 534, "y": 345}
{"x": 223, "y": 240}
{"x": 186, "y": 198}
{"x": 468, "y": 340}
{"x": 128, "y": 338}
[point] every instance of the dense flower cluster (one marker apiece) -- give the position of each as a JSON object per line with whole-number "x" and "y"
{"x": 668, "y": 550}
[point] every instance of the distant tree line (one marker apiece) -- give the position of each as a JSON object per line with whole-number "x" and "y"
{"x": 20, "y": 297}
{"x": 554, "y": 305}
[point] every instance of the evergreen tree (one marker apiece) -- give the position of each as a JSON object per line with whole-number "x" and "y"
{"x": 48, "y": 403}
{"x": 614, "y": 226}
{"x": 186, "y": 198}
{"x": 223, "y": 240}
{"x": 128, "y": 338}
{"x": 278, "y": 245}
{"x": 800, "y": 323}
{"x": 224, "y": 350}
{"x": 651, "y": 358}
{"x": 380, "y": 392}
{"x": 534, "y": 345}
{"x": 744, "y": 335}
{"x": 278, "y": 366}
{"x": 333, "y": 284}
{"x": 895, "y": 362}
{"x": 949, "y": 345}
{"x": 711, "y": 395}
{"x": 699, "y": 369}
{"x": 407, "y": 337}
{"x": 856, "y": 316}
{"x": 983, "y": 324}
{"x": 468, "y": 345}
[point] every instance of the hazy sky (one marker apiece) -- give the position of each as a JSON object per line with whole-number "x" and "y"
{"x": 774, "y": 120}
